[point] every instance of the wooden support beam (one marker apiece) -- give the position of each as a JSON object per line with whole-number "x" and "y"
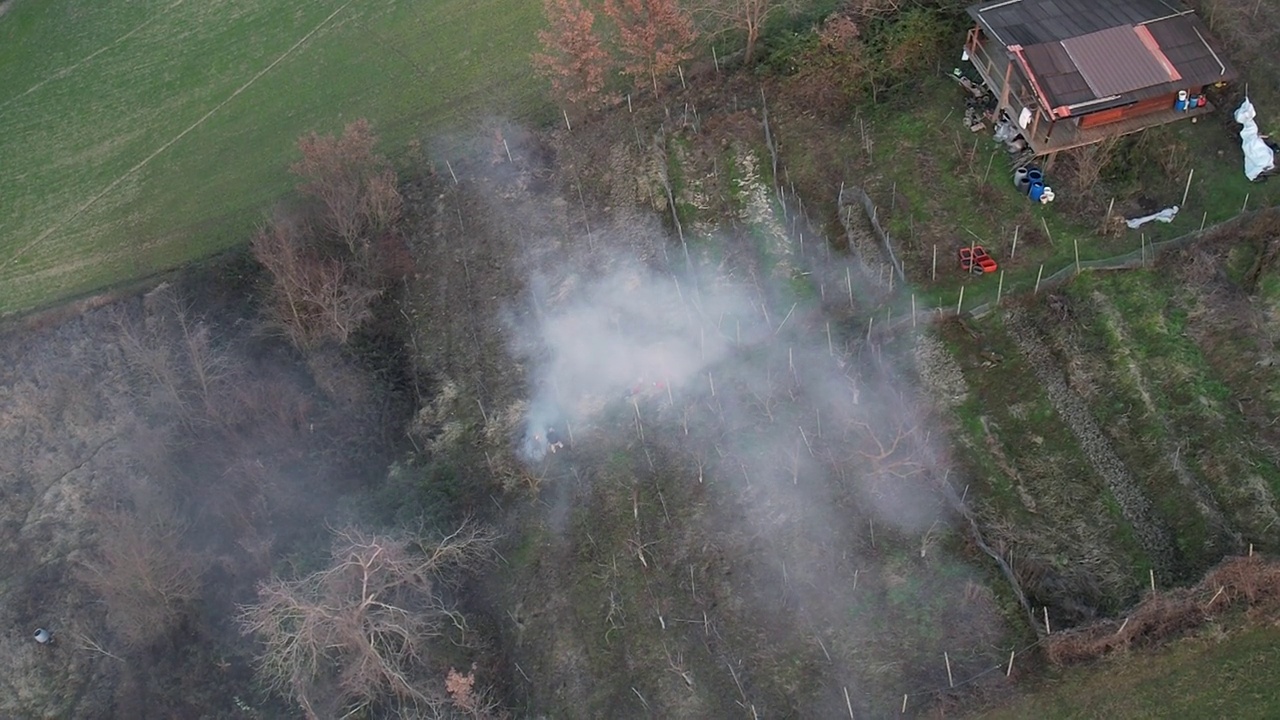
{"x": 1004, "y": 89}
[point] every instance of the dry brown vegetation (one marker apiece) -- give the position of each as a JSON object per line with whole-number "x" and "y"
{"x": 1249, "y": 583}
{"x": 330, "y": 263}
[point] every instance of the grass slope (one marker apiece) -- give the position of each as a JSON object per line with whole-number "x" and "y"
{"x": 1195, "y": 678}
{"x": 139, "y": 136}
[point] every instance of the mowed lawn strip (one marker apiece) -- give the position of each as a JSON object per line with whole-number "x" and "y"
{"x": 409, "y": 67}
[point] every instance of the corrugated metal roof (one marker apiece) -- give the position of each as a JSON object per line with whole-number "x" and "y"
{"x": 1058, "y": 75}
{"x": 1186, "y": 42}
{"x": 1116, "y": 61}
{"x": 1031, "y": 22}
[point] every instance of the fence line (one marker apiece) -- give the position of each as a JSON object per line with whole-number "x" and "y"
{"x": 873, "y": 216}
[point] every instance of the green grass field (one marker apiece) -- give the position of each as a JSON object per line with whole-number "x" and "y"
{"x": 137, "y": 136}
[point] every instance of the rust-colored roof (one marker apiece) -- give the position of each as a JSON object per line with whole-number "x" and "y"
{"x": 1116, "y": 61}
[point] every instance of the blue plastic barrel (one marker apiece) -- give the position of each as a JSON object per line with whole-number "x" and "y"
{"x": 1036, "y": 191}
{"x": 1034, "y": 175}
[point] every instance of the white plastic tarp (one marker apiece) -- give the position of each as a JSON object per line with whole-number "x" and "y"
{"x": 1258, "y": 158}
{"x": 1165, "y": 216}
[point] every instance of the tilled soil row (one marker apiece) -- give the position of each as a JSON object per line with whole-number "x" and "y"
{"x": 1135, "y": 506}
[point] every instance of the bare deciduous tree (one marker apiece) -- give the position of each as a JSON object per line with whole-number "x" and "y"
{"x": 143, "y": 573}
{"x": 312, "y": 299}
{"x": 745, "y": 16}
{"x": 356, "y": 188}
{"x": 572, "y": 57}
{"x": 654, "y": 36}
{"x": 356, "y": 633}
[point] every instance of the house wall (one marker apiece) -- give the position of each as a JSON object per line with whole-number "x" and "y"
{"x": 1142, "y": 107}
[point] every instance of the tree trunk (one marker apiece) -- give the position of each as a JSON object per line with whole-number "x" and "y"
{"x": 753, "y": 34}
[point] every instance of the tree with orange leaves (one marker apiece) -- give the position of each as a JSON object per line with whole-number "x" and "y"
{"x": 573, "y": 57}
{"x": 654, "y": 37}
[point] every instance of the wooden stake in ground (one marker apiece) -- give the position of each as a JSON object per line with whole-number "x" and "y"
{"x": 1205, "y": 218}
{"x": 1047, "y": 630}
{"x": 1107, "y": 221}
{"x": 1187, "y": 191}
{"x": 1000, "y": 287}
{"x": 1014, "y": 250}
{"x": 870, "y": 320}
{"x": 450, "y": 166}
{"x": 831, "y": 349}
{"x": 567, "y": 126}
{"x": 849, "y": 279}
{"x": 847, "y": 703}
{"x": 947, "y": 659}
{"x": 1152, "y": 573}
{"x": 715, "y": 58}
{"x": 1075, "y": 243}
{"x": 508, "y": 149}
{"x": 935, "y": 263}
{"x": 1143, "y": 240}
{"x": 904, "y": 704}
{"x": 1009, "y": 670}
{"x": 960, "y": 302}
{"x": 913, "y": 309}
{"x": 1242, "y": 208}
{"x": 1046, "y": 229}
{"x": 1038, "y": 274}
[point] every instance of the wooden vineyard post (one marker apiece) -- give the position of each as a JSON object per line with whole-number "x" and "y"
{"x": 1187, "y": 191}
{"x": 1075, "y": 242}
{"x": 1047, "y": 629}
{"x": 1000, "y": 287}
{"x": 1009, "y": 670}
{"x": 947, "y": 659}
{"x": 960, "y": 302}
{"x": 913, "y": 311}
{"x": 935, "y": 263}
{"x": 1039, "y": 273}
{"x": 1014, "y": 250}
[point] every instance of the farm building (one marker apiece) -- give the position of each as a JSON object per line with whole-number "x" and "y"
{"x": 1074, "y": 72}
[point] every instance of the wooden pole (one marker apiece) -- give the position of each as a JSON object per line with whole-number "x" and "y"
{"x": 1047, "y": 630}
{"x": 847, "y": 704}
{"x": 450, "y": 166}
{"x": 913, "y": 309}
{"x": 947, "y": 659}
{"x": 1046, "y": 229}
{"x": 935, "y": 263}
{"x": 567, "y": 126}
{"x": 831, "y": 349}
{"x": 1143, "y": 240}
{"x": 1075, "y": 242}
{"x": 1205, "y": 218}
{"x": 1014, "y": 250}
{"x": 681, "y": 71}
{"x": 1242, "y": 207}
{"x": 629, "y": 103}
{"x": 960, "y": 302}
{"x": 1110, "y": 206}
{"x": 1187, "y": 191}
{"x": 1000, "y": 287}
{"x": 1152, "y": 573}
{"x": 870, "y": 320}
{"x": 904, "y": 704}
{"x": 1009, "y": 670}
{"x": 715, "y": 58}
{"x": 1038, "y": 274}
{"x": 849, "y": 279}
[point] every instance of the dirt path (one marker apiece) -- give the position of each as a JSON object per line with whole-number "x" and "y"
{"x": 1135, "y": 506}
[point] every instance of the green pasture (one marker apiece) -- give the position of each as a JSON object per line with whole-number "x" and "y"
{"x": 137, "y": 136}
